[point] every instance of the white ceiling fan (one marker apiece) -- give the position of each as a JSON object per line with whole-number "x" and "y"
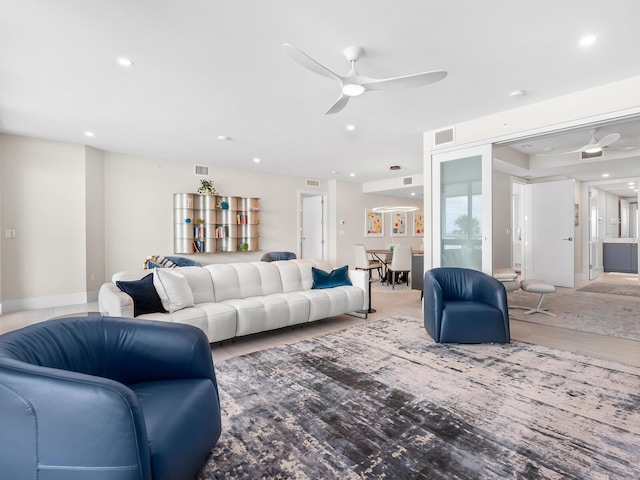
{"x": 354, "y": 84}
{"x": 593, "y": 148}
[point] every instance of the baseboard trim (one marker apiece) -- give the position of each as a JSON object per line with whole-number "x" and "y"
{"x": 35, "y": 303}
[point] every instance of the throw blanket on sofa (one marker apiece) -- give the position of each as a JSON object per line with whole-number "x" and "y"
{"x": 158, "y": 261}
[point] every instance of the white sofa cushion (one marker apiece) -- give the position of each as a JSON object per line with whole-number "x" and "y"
{"x": 226, "y": 284}
{"x": 173, "y": 289}
{"x": 295, "y": 274}
{"x": 200, "y": 283}
{"x": 190, "y": 316}
{"x": 222, "y": 320}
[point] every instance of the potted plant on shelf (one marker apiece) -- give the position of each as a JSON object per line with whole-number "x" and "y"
{"x": 206, "y": 187}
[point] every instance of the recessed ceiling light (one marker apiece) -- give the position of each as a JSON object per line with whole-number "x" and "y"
{"x": 517, "y": 93}
{"x": 223, "y": 138}
{"x": 334, "y": 172}
{"x": 125, "y": 62}
{"x": 352, "y": 174}
{"x": 632, "y": 183}
{"x": 631, "y": 188}
{"x": 413, "y": 194}
{"x": 547, "y": 149}
{"x": 629, "y": 147}
{"x": 88, "y": 134}
{"x": 605, "y": 175}
{"x": 351, "y": 128}
{"x": 526, "y": 147}
{"x": 587, "y": 40}
{"x": 256, "y": 160}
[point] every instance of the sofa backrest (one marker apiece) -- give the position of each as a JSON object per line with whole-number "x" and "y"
{"x": 225, "y": 281}
{"x": 242, "y": 280}
{"x": 200, "y": 283}
{"x": 295, "y": 274}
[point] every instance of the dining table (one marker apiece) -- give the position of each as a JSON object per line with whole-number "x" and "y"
{"x": 385, "y": 255}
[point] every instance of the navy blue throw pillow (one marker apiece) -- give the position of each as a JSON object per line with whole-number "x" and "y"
{"x": 336, "y": 278}
{"x": 144, "y": 294}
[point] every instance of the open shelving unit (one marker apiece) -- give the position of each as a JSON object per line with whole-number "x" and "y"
{"x": 215, "y": 223}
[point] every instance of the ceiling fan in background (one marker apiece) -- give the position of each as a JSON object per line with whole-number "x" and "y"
{"x": 354, "y": 84}
{"x": 592, "y": 149}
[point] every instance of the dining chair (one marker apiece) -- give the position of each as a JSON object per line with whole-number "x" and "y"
{"x": 362, "y": 261}
{"x": 400, "y": 263}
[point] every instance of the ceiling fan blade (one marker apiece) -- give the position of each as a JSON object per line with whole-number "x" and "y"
{"x": 566, "y": 152}
{"x": 608, "y": 140}
{"x": 406, "y": 81}
{"x": 309, "y": 63}
{"x": 338, "y": 105}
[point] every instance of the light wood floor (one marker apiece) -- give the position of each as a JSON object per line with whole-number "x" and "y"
{"x": 387, "y": 303}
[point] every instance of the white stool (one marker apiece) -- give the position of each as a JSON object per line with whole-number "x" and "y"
{"x": 537, "y": 286}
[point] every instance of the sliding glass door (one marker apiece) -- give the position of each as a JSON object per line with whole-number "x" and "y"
{"x": 461, "y": 186}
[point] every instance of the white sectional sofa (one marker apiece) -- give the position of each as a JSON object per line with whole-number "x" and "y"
{"x": 236, "y": 299}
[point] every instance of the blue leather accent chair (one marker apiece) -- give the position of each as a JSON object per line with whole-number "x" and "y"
{"x": 275, "y": 256}
{"x": 465, "y": 306}
{"x": 102, "y": 398}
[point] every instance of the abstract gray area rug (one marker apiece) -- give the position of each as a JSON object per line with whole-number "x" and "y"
{"x": 612, "y": 288}
{"x": 618, "y": 317}
{"x": 382, "y": 400}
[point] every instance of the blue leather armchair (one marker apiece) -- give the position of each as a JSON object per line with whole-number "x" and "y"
{"x": 106, "y": 398}
{"x": 465, "y": 306}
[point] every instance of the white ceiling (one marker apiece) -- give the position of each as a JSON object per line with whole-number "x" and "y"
{"x": 204, "y": 68}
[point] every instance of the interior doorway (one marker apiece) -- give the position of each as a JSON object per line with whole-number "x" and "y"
{"x": 313, "y": 226}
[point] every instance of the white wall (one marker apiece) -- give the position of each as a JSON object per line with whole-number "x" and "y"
{"x": 139, "y": 208}
{"x": 612, "y": 209}
{"x": 43, "y": 200}
{"x": 94, "y": 217}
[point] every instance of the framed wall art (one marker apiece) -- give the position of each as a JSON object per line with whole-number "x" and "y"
{"x": 373, "y": 223}
{"x": 418, "y": 224}
{"x": 398, "y": 224}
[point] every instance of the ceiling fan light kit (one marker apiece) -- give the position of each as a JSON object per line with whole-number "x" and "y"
{"x": 352, "y": 90}
{"x": 354, "y": 84}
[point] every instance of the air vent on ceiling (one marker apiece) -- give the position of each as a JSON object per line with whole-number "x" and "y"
{"x": 312, "y": 183}
{"x": 444, "y": 136}
{"x": 586, "y": 155}
{"x": 201, "y": 170}
{"x": 407, "y": 181}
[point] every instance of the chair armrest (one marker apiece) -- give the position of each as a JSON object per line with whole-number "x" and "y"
{"x": 432, "y": 305}
{"x": 492, "y": 292}
{"x": 99, "y": 425}
{"x": 114, "y": 302}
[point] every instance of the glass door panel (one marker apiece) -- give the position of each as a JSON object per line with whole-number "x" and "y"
{"x": 462, "y": 201}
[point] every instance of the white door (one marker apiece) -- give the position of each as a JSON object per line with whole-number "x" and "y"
{"x": 549, "y": 225}
{"x": 462, "y": 208}
{"x": 312, "y": 233}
